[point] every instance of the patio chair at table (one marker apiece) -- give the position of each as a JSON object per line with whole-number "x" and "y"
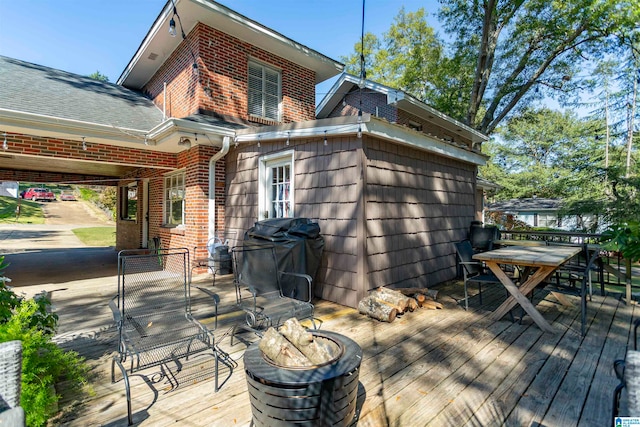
{"x": 473, "y": 271}
{"x": 482, "y": 237}
{"x": 575, "y": 280}
{"x": 259, "y": 291}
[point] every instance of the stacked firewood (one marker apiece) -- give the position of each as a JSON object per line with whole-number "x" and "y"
{"x": 385, "y": 304}
{"x": 294, "y": 346}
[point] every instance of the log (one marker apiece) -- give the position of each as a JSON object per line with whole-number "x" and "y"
{"x": 281, "y": 351}
{"x": 420, "y": 299}
{"x": 430, "y": 293}
{"x": 401, "y": 301}
{"x": 432, "y": 305}
{"x": 377, "y": 309}
{"x": 302, "y": 339}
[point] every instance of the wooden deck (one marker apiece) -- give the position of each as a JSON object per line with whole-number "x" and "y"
{"x": 448, "y": 367}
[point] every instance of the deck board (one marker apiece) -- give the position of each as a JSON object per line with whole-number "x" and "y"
{"x": 428, "y": 368}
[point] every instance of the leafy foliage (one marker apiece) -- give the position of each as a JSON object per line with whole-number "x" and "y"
{"x": 625, "y": 238}
{"x": 99, "y": 76}
{"x": 546, "y": 153}
{"x": 44, "y": 364}
{"x": 501, "y": 55}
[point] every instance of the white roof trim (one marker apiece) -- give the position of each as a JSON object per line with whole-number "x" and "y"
{"x": 370, "y": 125}
{"x": 347, "y": 82}
{"x": 215, "y": 15}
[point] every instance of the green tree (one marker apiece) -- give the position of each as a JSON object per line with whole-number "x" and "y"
{"x": 547, "y": 153}
{"x": 503, "y": 55}
{"x": 99, "y": 76}
{"x": 411, "y": 57}
{"x": 529, "y": 49}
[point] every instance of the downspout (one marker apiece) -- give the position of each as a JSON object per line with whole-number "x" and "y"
{"x": 226, "y": 142}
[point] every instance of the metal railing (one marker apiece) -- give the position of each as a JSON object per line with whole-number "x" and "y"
{"x": 613, "y": 261}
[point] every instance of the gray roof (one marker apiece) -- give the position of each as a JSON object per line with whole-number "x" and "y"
{"x": 532, "y": 204}
{"x": 36, "y": 89}
{"x": 213, "y": 119}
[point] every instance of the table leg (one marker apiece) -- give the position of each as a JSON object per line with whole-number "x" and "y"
{"x": 518, "y": 295}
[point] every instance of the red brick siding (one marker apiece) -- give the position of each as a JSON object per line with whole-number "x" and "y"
{"x": 51, "y": 177}
{"x": 222, "y": 70}
{"x": 72, "y": 149}
{"x": 195, "y": 163}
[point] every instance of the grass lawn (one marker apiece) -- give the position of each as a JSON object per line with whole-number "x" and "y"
{"x": 96, "y": 236}
{"x": 30, "y": 212}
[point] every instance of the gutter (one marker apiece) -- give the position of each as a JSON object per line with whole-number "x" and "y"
{"x": 226, "y": 143}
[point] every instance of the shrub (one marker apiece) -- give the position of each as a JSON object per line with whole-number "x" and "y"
{"x": 44, "y": 364}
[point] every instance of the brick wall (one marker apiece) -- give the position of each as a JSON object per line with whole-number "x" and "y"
{"x": 221, "y": 82}
{"x": 195, "y": 163}
{"x": 44, "y": 147}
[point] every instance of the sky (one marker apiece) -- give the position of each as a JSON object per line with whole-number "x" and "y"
{"x": 85, "y": 36}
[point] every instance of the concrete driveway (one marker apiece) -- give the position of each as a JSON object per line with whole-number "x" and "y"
{"x": 50, "y": 253}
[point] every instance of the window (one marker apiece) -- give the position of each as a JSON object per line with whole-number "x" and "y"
{"x": 546, "y": 220}
{"x": 129, "y": 202}
{"x": 276, "y": 186}
{"x": 174, "y": 194}
{"x": 264, "y": 92}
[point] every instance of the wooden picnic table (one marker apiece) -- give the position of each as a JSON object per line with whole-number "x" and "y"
{"x": 513, "y": 242}
{"x": 542, "y": 260}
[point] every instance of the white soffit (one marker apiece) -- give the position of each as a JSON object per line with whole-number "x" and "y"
{"x": 158, "y": 45}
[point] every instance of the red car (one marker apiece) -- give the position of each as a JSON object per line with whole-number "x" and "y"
{"x": 39, "y": 193}
{"x": 67, "y": 196}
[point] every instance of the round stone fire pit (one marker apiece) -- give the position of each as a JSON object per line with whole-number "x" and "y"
{"x": 317, "y": 396}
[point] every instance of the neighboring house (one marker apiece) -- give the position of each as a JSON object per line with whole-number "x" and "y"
{"x": 541, "y": 212}
{"x": 219, "y": 130}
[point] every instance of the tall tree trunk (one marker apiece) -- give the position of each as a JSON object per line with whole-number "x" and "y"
{"x": 630, "y": 125}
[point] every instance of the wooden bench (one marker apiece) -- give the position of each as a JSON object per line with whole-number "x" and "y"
{"x": 152, "y": 311}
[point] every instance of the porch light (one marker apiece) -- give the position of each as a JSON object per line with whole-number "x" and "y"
{"x": 5, "y": 145}
{"x": 325, "y": 137}
{"x": 84, "y": 144}
{"x": 172, "y": 27}
{"x": 288, "y": 138}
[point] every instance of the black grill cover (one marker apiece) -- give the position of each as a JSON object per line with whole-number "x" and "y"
{"x": 298, "y": 245}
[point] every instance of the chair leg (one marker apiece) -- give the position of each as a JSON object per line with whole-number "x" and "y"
{"x": 466, "y": 296}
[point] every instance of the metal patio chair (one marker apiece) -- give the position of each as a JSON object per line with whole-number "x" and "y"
{"x": 473, "y": 271}
{"x": 259, "y": 289}
{"x": 152, "y": 312}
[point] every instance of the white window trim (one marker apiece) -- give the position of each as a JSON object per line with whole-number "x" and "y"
{"x": 264, "y": 163}
{"x": 164, "y": 197}
{"x": 264, "y": 66}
